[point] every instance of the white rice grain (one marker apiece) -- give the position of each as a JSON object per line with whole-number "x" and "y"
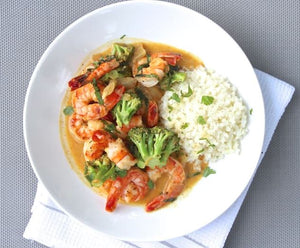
{"x": 225, "y": 119}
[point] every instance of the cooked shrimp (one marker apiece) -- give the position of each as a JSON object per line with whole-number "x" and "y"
{"x": 119, "y": 154}
{"x": 150, "y": 75}
{"x": 102, "y": 69}
{"x": 130, "y": 188}
{"x": 115, "y": 149}
{"x": 171, "y": 58}
{"x": 86, "y": 78}
{"x": 85, "y": 102}
{"x": 81, "y": 129}
{"x": 136, "y": 121}
{"x": 173, "y": 187}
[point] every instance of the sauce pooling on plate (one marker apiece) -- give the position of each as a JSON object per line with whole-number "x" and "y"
{"x": 112, "y": 131}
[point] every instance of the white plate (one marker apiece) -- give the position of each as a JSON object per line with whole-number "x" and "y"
{"x": 155, "y": 21}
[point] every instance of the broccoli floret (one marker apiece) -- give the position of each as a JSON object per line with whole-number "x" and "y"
{"x": 98, "y": 171}
{"x": 171, "y": 78}
{"x": 154, "y": 145}
{"x": 126, "y": 108}
{"x": 122, "y": 52}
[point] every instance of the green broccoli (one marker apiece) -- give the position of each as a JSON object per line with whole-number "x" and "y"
{"x": 98, "y": 171}
{"x": 172, "y": 77}
{"x": 122, "y": 52}
{"x": 153, "y": 145}
{"x": 126, "y": 108}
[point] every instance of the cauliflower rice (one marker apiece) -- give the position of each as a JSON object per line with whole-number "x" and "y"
{"x": 212, "y": 130}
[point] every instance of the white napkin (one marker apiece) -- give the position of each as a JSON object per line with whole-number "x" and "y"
{"x": 52, "y": 227}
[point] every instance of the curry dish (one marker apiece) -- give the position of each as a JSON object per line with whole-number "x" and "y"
{"x": 111, "y": 126}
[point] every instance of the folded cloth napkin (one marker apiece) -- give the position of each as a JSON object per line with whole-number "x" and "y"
{"x": 52, "y": 227}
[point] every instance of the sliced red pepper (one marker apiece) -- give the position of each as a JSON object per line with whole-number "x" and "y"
{"x": 152, "y": 115}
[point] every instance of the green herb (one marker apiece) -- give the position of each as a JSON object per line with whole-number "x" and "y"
{"x": 123, "y": 36}
{"x": 170, "y": 199}
{"x": 140, "y": 67}
{"x": 175, "y": 97}
{"x": 251, "y": 111}
{"x": 170, "y": 108}
{"x": 202, "y": 150}
{"x": 103, "y": 59}
{"x": 209, "y": 143}
{"x": 169, "y": 119}
{"x": 208, "y": 171}
{"x": 207, "y": 100}
{"x": 68, "y": 110}
{"x": 110, "y": 128}
{"x": 142, "y": 96}
{"x": 97, "y": 92}
{"x": 96, "y": 64}
{"x": 147, "y": 75}
{"x": 196, "y": 174}
{"x": 150, "y": 184}
{"x": 184, "y": 126}
{"x": 188, "y": 94}
{"x": 201, "y": 120}
{"x": 172, "y": 77}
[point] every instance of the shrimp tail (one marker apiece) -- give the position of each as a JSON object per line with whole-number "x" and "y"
{"x": 156, "y": 203}
{"x": 114, "y": 195}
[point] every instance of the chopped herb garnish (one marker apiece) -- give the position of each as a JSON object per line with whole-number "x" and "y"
{"x": 208, "y": 171}
{"x": 140, "y": 67}
{"x": 202, "y": 150}
{"x": 170, "y": 108}
{"x": 188, "y": 94}
{"x": 97, "y": 92}
{"x": 142, "y": 96}
{"x": 150, "y": 184}
{"x": 123, "y": 36}
{"x": 68, "y": 110}
{"x": 169, "y": 119}
{"x": 103, "y": 59}
{"x": 147, "y": 75}
{"x": 170, "y": 199}
{"x": 201, "y": 120}
{"x": 207, "y": 100}
{"x": 175, "y": 97}
{"x": 209, "y": 143}
{"x": 110, "y": 128}
{"x": 251, "y": 111}
{"x": 196, "y": 174}
{"x": 184, "y": 126}
{"x": 96, "y": 64}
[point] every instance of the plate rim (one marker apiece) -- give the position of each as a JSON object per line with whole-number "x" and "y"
{"x": 44, "y": 57}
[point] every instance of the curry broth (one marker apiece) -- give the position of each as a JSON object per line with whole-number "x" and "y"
{"x": 74, "y": 148}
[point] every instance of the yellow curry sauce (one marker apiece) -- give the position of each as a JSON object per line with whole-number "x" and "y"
{"x": 74, "y": 149}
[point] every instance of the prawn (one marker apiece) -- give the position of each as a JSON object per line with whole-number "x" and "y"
{"x": 86, "y": 78}
{"x": 173, "y": 187}
{"x": 81, "y": 129}
{"x": 136, "y": 121}
{"x": 85, "y": 102}
{"x": 149, "y": 73}
{"x": 115, "y": 149}
{"x": 131, "y": 188}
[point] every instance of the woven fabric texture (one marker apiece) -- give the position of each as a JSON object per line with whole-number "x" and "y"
{"x": 268, "y": 32}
